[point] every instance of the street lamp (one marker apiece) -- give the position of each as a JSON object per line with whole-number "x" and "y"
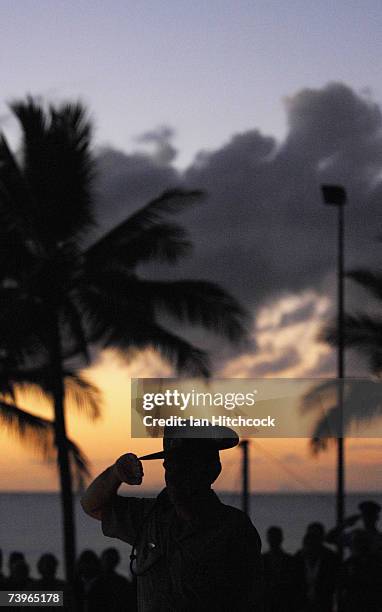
{"x": 245, "y": 493}
{"x": 335, "y": 195}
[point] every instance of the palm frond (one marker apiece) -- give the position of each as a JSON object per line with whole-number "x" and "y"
{"x": 319, "y": 394}
{"x": 362, "y": 332}
{"x": 39, "y": 434}
{"x": 83, "y": 395}
{"x": 196, "y": 302}
{"x": 182, "y": 355}
{"x": 59, "y": 168}
{"x": 372, "y": 281}
{"x": 192, "y": 302}
{"x": 134, "y": 228}
{"x": 16, "y": 222}
{"x": 80, "y": 392}
{"x": 362, "y": 405}
{"x": 36, "y": 432}
{"x": 165, "y": 243}
{"x": 79, "y": 465}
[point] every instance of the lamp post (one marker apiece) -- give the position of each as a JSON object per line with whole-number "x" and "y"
{"x": 335, "y": 195}
{"x": 245, "y": 504}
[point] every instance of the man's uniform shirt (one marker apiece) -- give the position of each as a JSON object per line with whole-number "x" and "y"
{"x": 212, "y": 563}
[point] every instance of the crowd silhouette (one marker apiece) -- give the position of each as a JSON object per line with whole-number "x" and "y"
{"x": 98, "y": 585}
{"x": 313, "y": 579}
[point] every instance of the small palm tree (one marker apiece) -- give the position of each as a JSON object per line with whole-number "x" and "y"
{"x": 362, "y": 399}
{"x": 58, "y": 298}
{"x": 363, "y": 331}
{"x": 361, "y": 405}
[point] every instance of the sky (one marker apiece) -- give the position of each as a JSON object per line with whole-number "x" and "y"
{"x": 206, "y": 69}
{"x": 257, "y": 103}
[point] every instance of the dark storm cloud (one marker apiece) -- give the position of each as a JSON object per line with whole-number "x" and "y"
{"x": 264, "y": 230}
{"x": 126, "y": 182}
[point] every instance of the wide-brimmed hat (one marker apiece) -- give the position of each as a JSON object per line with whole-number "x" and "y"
{"x": 193, "y": 440}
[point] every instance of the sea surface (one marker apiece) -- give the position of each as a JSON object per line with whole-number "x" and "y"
{"x": 30, "y": 522}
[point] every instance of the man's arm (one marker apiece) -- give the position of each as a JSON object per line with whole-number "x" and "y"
{"x": 100, "y": 492}
{"x": 338, "y": 533}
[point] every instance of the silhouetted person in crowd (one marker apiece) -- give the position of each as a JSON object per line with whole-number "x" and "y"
{"x": 13, "y": 557}
{"x": 90, "y": 595}
{"x": 361, "y": 576}
{"x": 190, "y": 551}
{"x": 279, "y": 575}
{"x": 47, "y": 568}
{"x": 318, "y": 529}
{"x": 317, "y": 573}
{"x": 120, "y": 592}
{"x": 19, "y": 578}
{"x": 369, "y": 514}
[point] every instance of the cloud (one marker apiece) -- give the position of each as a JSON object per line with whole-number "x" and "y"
{"x": 126, "y": 182}
{"x": 264, "y": 232}
{"x": 302, "y": 313}
{"x": 286, "y": 350}
{"x": 164, "y": 152}
{"x": 276, "y": 365}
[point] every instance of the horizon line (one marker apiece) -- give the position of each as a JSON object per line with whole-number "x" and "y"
{"x": 218, "y": 491}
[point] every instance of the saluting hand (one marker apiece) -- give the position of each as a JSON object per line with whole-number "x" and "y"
{"x": 129, "y": 469}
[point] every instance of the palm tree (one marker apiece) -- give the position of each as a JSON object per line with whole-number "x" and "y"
{"x": 362, "y": 399}
{"x": 363, "y": 331}
{"x": 61, "y": 298}
{"x": 362, "y": 403}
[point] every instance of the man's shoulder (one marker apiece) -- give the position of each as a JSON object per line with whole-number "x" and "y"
{"x": 235, "y": 514}
{"x": 239, "y": 522}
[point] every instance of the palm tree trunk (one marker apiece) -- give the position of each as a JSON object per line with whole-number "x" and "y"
{"x": 58, "y": 392}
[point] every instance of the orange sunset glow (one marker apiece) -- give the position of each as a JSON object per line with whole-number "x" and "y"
{"x": 276, "y": 464}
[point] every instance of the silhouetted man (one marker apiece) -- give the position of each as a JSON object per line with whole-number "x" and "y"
{"x": 369, "y": 514}
{"x": 190, "y": 551}
{"x": 279, "y": 575}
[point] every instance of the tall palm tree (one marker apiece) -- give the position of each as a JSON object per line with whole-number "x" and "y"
{"x": 60, "y": 298}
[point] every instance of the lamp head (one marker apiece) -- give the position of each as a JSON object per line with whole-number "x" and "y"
{"x": 333, "y": 195}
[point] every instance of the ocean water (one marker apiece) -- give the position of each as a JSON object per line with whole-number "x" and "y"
{"x": 30, "y": 522}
